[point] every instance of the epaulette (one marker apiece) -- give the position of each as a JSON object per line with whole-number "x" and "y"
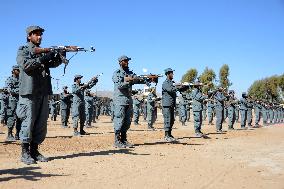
{"x": 22, "y": 47}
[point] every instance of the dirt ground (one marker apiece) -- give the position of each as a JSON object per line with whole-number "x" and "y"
{"x": 251, "y": 158}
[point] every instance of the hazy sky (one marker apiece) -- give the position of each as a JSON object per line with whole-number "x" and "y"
{"x": 248, "y": 35}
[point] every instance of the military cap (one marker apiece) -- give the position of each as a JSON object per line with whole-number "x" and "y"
{"x": 244, "y": 94}
{"x": 77, "y": 76}
{"x": 123, "y": 57}
{"x": 231, "y": 91}
{"x": 15, "y": 67}
{"x": 33, "y": 28}
{"x": 168, "y": 70}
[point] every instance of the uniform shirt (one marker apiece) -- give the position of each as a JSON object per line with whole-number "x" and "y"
{"x": 232, "y": 103}
{"x": 78, "y": 92}
{"x": 210, "y": 104}
{"x": 219, "y": 100}
{"x": 34, "y": 76}
{"x": 123, "y": 89}
{"x": 65, "y": 100}
{"x": 12, "y": 84}
{"x": 151, "y": 99}
{"x": 243, "y": 104}
{"x": 197, "y": 100}
{"x": 249, "y": 105}
{"x": 183, "y": 100}
{"x": 257, "y": 107}
{"x": 169, "y": 93}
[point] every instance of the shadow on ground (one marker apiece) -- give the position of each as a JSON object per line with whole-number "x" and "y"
{"x": 89, "y": 154}
{"x": 27, "y": 173}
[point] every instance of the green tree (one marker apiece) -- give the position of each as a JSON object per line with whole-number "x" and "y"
{"x": 207, "y": 77}
{"x": 224, "y": 76}
{"x": 270, "y": 89}
{"x": 190, "y": 75}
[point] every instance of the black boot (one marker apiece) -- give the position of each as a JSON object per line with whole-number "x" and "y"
{"x": 26, "y": 156}
{"x": 82, "y": 132}
{"x": 10, "y": 137}
{"x": 150, "y": 126}
{"x": 35, "y": 153}
{"x": 117, "y": 140}
{"x": 168, "y": 138}
{"x": 17, "y": 135}
{"x": 76, "y": 132}
{"x": 170, "y": 134}
{"x": 124, "y": 140}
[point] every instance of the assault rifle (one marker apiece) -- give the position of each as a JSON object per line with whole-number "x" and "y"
{"x": 61, "y": 51}
{"x": 150, "y": 78}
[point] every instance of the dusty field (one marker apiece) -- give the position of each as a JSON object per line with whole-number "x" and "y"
{"x": 238, "y": 159}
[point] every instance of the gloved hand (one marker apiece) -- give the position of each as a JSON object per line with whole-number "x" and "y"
{"x": 47, "y": 57}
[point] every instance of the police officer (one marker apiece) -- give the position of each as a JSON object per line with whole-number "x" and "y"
{"x": 65, "y": 105}
{"x": 151, "y": 100}
{"x": 169, "y": 103}
{"x": 257, "y": 110}
{"x": 249, "y": 112}
{"x": 111, "y": 106}
{"x": 204, "y": 111}
{"x": 78, "y": 105}
{"x": 210, "y": 107}
{"x": 188, "y": 106}
{"x": 53, "y": 108}
{"x": 4, "y": 98}
{"x": 136, "y": 109}
{"x": 144, "y": 107}
{"x": 12, "y": 84}
{"x": 95, "y": 109}
{"x": 237, "y": 111}
{"x": 182, "y": 106}
{"x": 232, "y": 101}
{"x": 264, "y": 113}
{"x": 123, "y": 80}
{"x": 89, "y": 101}
{"x": 271, "y": 113}
{"x": 243, "y": 110}
{"x": 35, "y": 86}
{"x": 197, "y": 107}
{"x": 219, "y": 98}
